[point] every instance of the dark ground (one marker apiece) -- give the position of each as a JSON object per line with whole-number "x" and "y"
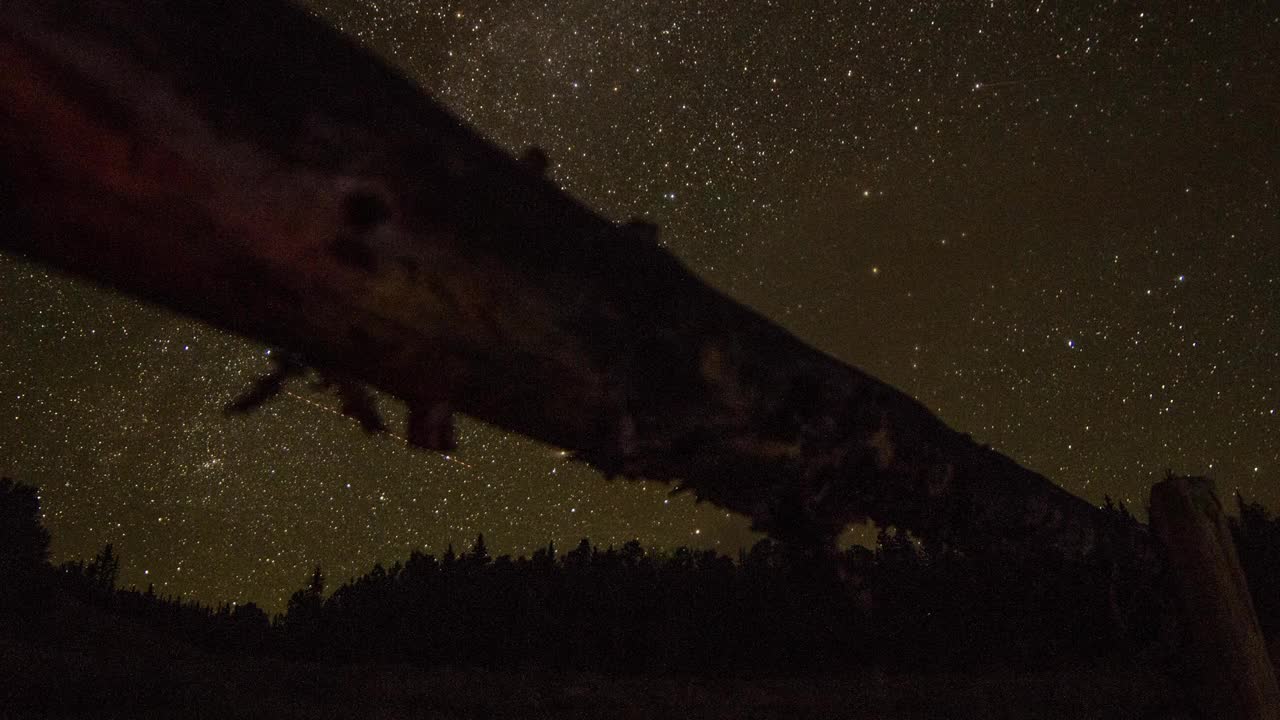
{"x": 89, "y": 664}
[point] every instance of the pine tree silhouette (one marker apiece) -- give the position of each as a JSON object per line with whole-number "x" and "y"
{"x": 24, "y": 549}
{"x": 104, "y": 571}
{"x": 24, "y": 543}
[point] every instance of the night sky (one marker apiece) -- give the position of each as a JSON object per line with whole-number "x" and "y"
{"x": 1055, "y": 225}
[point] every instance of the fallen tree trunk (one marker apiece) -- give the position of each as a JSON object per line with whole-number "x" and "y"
{"x": 245, "y": 164}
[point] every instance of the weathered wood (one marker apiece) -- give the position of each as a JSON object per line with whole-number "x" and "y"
{"x": 243, "y": 163}
{"x": 1232, "y": 676}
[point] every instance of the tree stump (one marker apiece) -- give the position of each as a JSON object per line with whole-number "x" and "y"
{"x": 1231, "y": 676}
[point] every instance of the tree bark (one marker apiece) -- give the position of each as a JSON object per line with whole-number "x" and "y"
{"x": 245, "y": 164}
{"x": 1230, "y": 673}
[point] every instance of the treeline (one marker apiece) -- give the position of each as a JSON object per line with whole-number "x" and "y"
{"x": 773, "y": 608}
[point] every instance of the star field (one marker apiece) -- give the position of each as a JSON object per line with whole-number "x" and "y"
{"x": 1057, "y": 226}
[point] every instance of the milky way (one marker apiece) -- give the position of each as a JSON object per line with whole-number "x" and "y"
{"x": 1058, "y": 227}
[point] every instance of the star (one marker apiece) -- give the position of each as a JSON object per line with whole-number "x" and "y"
{"x": 1076, "y": 170}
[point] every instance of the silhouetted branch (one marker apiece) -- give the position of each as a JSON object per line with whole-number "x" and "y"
{"x": 267, "y": 387}
{"x": 245, "y": 164}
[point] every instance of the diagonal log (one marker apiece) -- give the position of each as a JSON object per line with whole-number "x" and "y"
{"x": 245, "y": 164}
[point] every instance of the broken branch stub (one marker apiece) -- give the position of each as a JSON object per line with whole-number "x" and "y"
{"x": 247, "y": 165}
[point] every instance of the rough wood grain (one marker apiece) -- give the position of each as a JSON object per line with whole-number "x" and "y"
{"x": 245, "y": 164}
{"x": 1231, "y": 675}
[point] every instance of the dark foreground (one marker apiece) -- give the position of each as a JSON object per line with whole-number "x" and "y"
{"x": 89, "y": 664}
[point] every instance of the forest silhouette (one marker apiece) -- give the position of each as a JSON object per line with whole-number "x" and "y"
{"x": 904, "y": 605}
